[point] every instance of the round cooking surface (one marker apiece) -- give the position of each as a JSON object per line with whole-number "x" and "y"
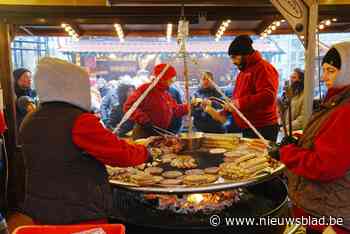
{"x": 204, "y": 160}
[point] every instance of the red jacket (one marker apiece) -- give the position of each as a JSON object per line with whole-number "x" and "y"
{"x": 256, "y": 91}
{"x": 157, "y": 108}
{"x": 329, "y": 159}
{"x": 89, "y": 135}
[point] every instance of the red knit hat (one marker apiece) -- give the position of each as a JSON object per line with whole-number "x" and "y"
{"x": 169, "y": 74}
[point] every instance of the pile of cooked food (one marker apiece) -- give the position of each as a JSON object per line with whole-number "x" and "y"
{"x": 171, "y": 166}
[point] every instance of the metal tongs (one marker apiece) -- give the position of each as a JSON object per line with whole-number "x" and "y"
{"x": 217, "y": 100}
{"x": 163, "y": 132}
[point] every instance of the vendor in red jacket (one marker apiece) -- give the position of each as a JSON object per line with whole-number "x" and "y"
{"x": 255, "y": 92}
{"x": 319, "y": 164}
{"x": 66, "y": 149}
{"x": 158, "y": 108}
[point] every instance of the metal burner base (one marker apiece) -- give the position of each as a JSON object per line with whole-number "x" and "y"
{"x": 266, "y": 199}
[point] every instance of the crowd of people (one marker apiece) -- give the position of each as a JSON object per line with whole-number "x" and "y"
{"x": 317, "y": 162}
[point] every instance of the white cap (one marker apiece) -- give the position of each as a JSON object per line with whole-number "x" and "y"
{"x": 60, "y": 81}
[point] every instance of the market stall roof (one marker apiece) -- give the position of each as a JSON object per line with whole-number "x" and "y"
{"x": 149, "y": 18}
{"x": 160, "y": 46}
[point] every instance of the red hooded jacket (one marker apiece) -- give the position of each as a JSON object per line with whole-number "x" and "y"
{"x": 158, "y": 108}
{"x": 328, "y": 160}
{"x": 256, "y": 91}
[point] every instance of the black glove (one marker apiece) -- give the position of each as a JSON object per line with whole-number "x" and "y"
{"x": 274, "y": 152}
{"x": 288, "y": 140}
{"x": 148, "y": 127}
{"x": 149, "y": 157}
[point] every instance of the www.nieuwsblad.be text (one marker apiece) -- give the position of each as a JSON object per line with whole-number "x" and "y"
{"x": 216, "y": 220}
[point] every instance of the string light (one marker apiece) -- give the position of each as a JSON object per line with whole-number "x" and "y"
{"x": 169, "y": 32}
{"x": 272, "y": 27}
{"x": 326, "y": 23}
{"x": 120, "y": 32}
{"x": 222, "y": 29}
{"x": 71, "y": 32}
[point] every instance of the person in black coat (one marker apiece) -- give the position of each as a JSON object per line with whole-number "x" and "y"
{"x": 176, "y": 122}
{"x": 26, "y": 97}
{"x": 202, "y": 120}
{"x": 116, "y": 114}
{"x": 23, "y": 83}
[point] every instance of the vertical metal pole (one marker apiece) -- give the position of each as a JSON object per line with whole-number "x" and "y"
{"x": 188, "y": 97}
{"x": 7, "y": 86}
{"x": 309, "y": 81}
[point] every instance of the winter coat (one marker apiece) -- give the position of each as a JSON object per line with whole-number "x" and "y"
{"x": 109, "y": 102}
{"x": 319, "y": 166}
{"x": 202, "y": 120}
{"x": 297, "y": 105}
{"x": 176, "y": 122}
{"x": 256, "y": 91}
{"x": 66, "y": 178}
{"x": 158, "y": 108}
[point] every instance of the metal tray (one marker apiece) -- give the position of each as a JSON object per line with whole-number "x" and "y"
{"x": 204, "y": 159}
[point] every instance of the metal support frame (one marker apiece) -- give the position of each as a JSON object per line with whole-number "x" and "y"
{"x": 302, "y": 15}
{"x": 7, "y": 86}
{"x": 310, "y": 63}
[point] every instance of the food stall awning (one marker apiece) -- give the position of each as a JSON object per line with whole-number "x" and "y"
{"x": 149, "y": 18}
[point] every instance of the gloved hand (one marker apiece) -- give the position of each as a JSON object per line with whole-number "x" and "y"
{"x": 148, "y": 127}
{"x": 149, "y": 157}
{"x": 288, "y": 140}
{"x": 274, "y": 152}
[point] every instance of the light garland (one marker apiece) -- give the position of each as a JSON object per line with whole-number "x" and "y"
{"x": 120, "y": 32}
{"x": 169, "y": 31}
{"x": 222, "y": 29}
{"x": 71, "y": 32}
{"x": 326, "y": 23}
{"x": 272, "y": 27}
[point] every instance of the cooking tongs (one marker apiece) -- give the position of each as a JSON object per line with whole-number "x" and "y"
{"x": 162, "y": 131}
{"x": 218, "y": 100}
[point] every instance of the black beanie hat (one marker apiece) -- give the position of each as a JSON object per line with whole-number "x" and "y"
{"x": 332, "y": 57}
{"x": 19, "y": 72}
{"x": 241, "y": 45}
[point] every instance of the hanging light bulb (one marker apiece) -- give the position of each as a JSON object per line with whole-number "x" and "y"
{"x": 321, "y": 26}
{"x": 269, "y": 31}
{"x": 278, "y": 23}
{"x": 334, "y": 20}
{"x": 328, "y": 22}
{"x": 273, "y": 27}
